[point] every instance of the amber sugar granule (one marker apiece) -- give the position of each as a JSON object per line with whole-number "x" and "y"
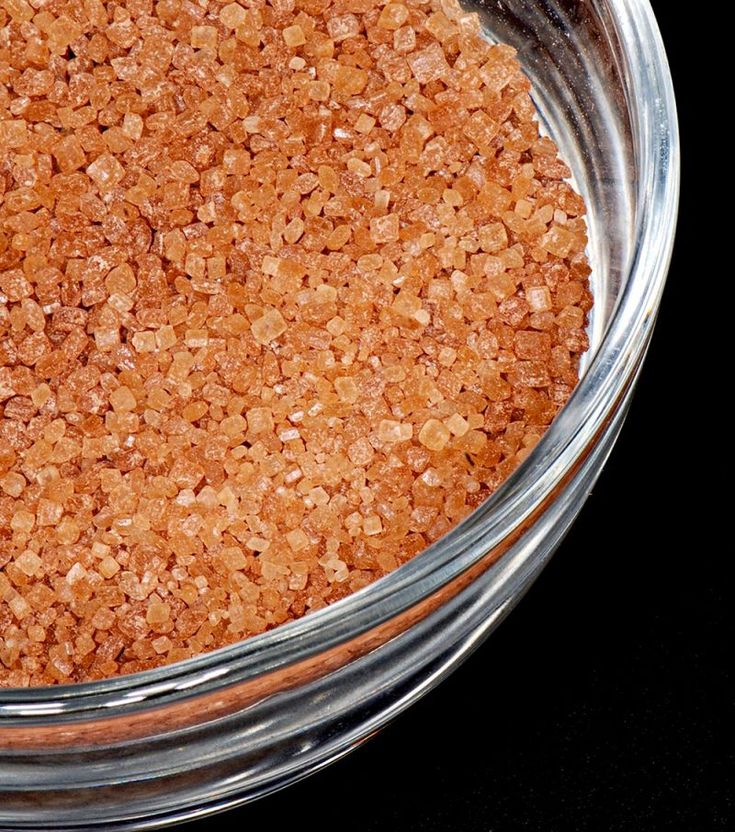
{"x": 286, "y": 290}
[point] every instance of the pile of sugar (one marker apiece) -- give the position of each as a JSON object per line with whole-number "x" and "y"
{"x": 286, "y": 290}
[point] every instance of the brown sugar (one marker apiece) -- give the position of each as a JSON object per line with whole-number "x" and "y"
{"x": 286, "y": 290}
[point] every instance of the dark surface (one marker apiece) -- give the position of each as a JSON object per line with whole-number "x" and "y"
{"x": 600, "y": 703}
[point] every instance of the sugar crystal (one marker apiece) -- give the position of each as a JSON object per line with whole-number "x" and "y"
{"x": 294, "y": 36}
{"x": 233, "y": 15}
{"x": 393, "y": 16}
{"x": 434, "y": 435}
{"x": 268, "y": 326}
{"x": 122, "y": 400}
{"x": 106, "y": 171}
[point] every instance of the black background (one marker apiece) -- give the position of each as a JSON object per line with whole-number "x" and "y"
{"x": 600, "y": 703}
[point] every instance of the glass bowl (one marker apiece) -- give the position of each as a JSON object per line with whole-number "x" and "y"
{"x": 151, "y": 749}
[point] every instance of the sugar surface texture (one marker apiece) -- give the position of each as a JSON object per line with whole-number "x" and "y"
{"x": 286, "y": 290}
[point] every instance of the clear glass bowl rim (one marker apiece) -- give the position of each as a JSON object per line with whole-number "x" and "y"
{"x": 610, "y": 373}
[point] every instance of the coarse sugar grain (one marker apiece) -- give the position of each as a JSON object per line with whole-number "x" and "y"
{"x": 286, "y": 290}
